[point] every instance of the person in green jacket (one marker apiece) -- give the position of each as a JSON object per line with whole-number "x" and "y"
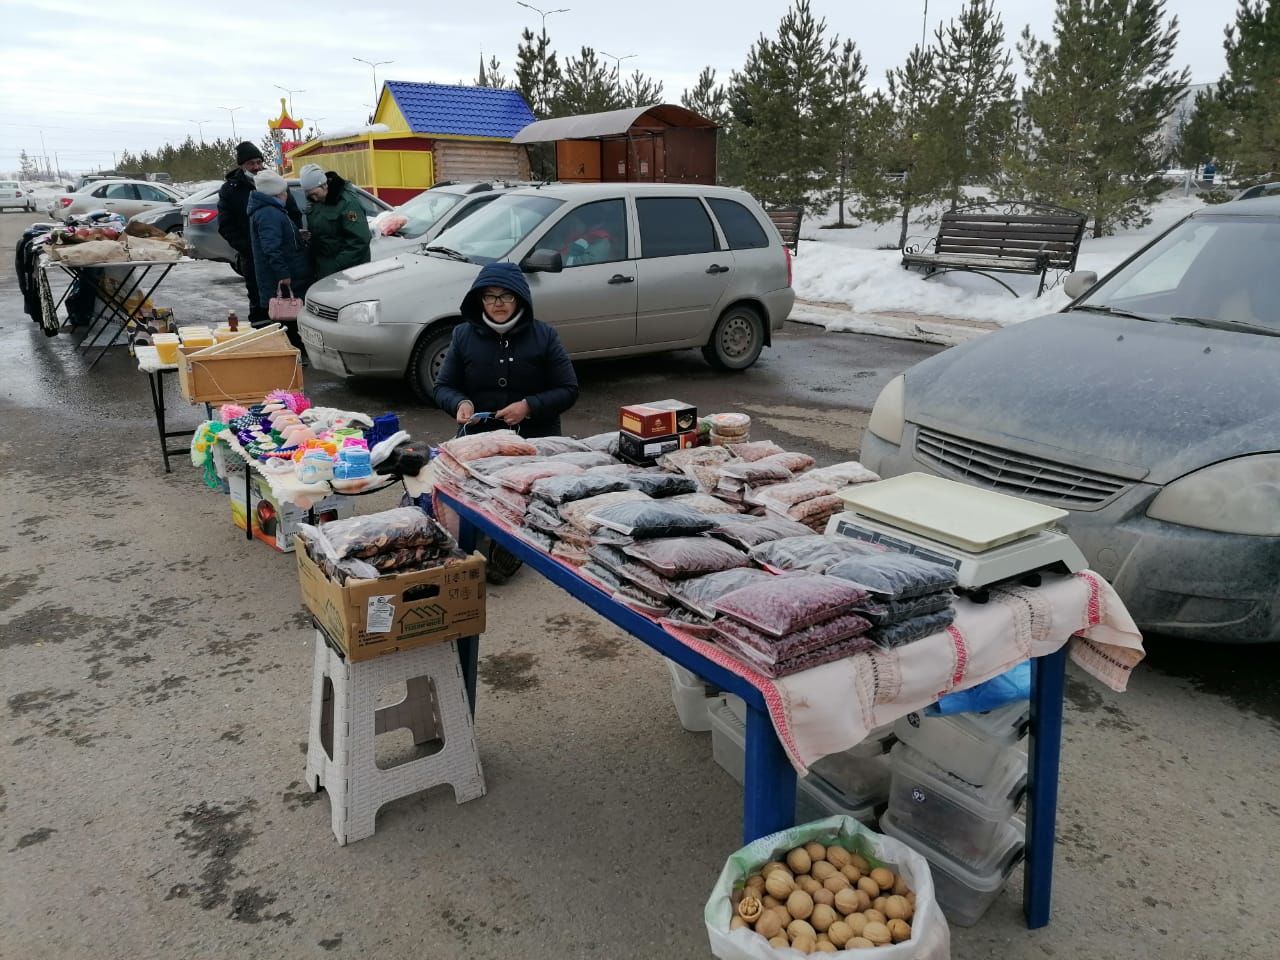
{"x": 338, "y": 228}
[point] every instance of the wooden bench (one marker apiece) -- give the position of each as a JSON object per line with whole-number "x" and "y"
{"x": 787, "y": 220}
{"x": 1009, "y": 237}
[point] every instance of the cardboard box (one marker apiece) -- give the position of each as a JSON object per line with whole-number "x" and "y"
{"x": 275, "y": 523}
{"x": 645, "y": 450}
{"x": 248, "y": 376}
{"x": 661, "y": 418}
{"x": 370, "y": 618}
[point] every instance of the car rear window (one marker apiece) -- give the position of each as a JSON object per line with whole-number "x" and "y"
{"x": 674, "y": 227}
{"x": 741, "y": 228}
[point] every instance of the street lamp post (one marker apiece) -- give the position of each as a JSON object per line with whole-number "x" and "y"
{"x": 374, "y": 67}
{"x": 542, "y": 13}
{"x": 290, "y": 93}
{"x": 617, "y": 61}
{"x": 232, "y": 112}
{"x": 199, "y": 126}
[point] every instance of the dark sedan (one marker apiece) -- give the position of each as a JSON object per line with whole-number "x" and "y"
{"x": 1149, "y": 408}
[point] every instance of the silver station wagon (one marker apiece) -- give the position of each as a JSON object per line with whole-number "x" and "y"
{"x": 618, "y": 269}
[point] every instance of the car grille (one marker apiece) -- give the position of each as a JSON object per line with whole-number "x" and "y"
{"x": 321, "y": 311}
{"x": 1017, "y": 473}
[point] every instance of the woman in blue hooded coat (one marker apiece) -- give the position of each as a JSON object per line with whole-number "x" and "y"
{"x": 278, "y": 254}
{"x": 504, "y": 361}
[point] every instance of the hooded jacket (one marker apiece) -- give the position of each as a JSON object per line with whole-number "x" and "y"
{"x": 528, "y": 362}
{"x": 233, "y": 211}
{"x": 339, "y": 229}
{"x": 277, "y": 248}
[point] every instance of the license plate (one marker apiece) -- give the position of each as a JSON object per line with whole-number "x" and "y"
{"x": 311, "y": 337}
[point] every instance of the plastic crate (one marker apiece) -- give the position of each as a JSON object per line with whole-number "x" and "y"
{"x": 691, "y": 700}
{"x": 970, "y": 745}
{"x": 965, "y": 890}
{"x": 957, "y": 817}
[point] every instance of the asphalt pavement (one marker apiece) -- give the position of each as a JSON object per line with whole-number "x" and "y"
{"x": 156, "y": 674}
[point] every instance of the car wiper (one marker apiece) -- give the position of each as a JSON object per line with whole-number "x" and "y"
{"x": 1214, "y": 323}
{"x": 448, "y": 252}
{"x": 1118, "y": 312}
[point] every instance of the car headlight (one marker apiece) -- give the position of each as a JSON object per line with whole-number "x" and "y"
{"x": 887, "y": 416}
{"x": 1235, "y": 496}
{"x": 366, "y": 311}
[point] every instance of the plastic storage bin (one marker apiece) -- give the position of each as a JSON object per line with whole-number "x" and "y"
{"x": 965, "y": 890}
{"x": 815, "y": 798}
{"x": 690, "y": 697}
{"x": 954, "y": 816}
{"x": 970, "y": 745}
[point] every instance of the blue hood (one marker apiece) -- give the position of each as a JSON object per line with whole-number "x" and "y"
{"x": 258, "y": 200}
{"x": 499, "y": 274}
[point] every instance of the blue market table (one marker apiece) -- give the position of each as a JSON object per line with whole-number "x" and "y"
{"x": 769, "y": 786}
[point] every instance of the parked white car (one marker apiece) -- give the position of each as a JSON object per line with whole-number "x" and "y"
{"x": 14, "y": 195}
{"x": 125, "y": 197}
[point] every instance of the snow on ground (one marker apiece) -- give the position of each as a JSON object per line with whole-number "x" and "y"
{"x": 862, "y": 288}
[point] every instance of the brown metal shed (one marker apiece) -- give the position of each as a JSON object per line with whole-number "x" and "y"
{"x": 663, "y": 143}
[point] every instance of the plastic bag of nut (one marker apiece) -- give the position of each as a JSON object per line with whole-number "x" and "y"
{"x": 816, "y": 862}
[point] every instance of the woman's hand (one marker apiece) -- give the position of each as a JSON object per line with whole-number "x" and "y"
{"x": 514, "y": 413}
{"x": 466, "y": 410}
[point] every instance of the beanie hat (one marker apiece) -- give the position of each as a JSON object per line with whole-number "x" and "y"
{"x": 312, "y": 176}
{"x": 270, "y": 183}
{"x": 246, "y": 151}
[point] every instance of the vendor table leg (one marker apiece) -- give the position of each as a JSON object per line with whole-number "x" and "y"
{"x": 769, "y": 786}
{"x": 157, "y": 403}
{"x": 468, "y": 647}
{"x": 1048, "y": 681}
{"x": 248, "y": 503}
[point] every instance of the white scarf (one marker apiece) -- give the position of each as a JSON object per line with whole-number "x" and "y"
{"x": 501, "y": 328}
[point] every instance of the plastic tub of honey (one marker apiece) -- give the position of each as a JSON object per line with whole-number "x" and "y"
{"x": 166, "y": 345}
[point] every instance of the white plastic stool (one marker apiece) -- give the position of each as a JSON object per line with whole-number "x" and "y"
{"x": 345, "y": 719}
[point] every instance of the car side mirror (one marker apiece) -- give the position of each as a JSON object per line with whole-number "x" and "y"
{"x": 543, "y": 261}
{"x": 1079, "y": 283}
{"x": 69, "y": 189}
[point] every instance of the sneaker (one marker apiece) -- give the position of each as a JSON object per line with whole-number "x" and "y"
{"x": 502, "y": 565}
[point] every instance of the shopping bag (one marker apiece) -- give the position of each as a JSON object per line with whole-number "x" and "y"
{"x": 281, "y": 307}
{"x": 930, "y": 935}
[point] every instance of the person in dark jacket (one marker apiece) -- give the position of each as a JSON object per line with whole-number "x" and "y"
{"x": 279, "y": 258}
{"x": 233, "y": 219}
{"x": 504, "y": 361}
{"x": 337, "y": 223}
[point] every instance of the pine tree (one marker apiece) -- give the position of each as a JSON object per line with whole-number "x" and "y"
{"x": 26, "y": 165}
{"x": 1197, "y": 135}
{"x": 538, "y": 73}
{"x": 641, "y": 91}
{"x": 849, "y": 112}
{"x": 491, "y": 74}
{"x": 707, "y": 98}
{"x": 907, "y": 169}
{"x": 1247, "y": 114}
{"x": 588, "y": 86}
{"x": 782, "y": 137}
{"x": 975, "y": 97}
{"x": 1095, "y": 106}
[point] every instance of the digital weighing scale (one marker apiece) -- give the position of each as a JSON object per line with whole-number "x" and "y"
{"x": 986, "y": 537}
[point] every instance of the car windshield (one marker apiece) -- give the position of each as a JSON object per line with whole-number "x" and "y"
{"x": 1215, "y": 271}
{"x": 424, "y": 211}
{"x": 491, "y": 233}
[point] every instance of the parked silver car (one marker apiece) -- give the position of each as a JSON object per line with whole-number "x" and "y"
{"x": 200, "y": 222}
{"x": 618, "y": 269}
{"x": 1149, "y": 408}
{"x": 125, "y": 197}
{"x": 432, "y": 212}
{"x": 172, "y": 218}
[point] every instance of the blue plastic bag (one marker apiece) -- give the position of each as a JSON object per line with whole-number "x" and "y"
{"x": 988, "y": 695}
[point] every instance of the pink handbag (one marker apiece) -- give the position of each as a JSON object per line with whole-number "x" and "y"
{"x": 281, "y": 307}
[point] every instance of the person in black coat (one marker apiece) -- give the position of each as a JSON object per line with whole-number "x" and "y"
{"x": 233, "y": 219}
{"x": 504, "y": 361}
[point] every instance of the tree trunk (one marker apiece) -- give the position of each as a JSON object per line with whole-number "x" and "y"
{"x": 902, "y": 234}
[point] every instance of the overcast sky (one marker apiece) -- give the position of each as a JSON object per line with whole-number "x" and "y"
{"x": 100, "y": 77}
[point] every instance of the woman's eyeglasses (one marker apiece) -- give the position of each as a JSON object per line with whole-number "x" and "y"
{"x": 507, "y": 298}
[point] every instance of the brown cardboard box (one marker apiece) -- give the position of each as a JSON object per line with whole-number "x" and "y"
{"x": 238, "y": 376}
{"x": 661, "y": 418}
{"x": 369, "y": 618}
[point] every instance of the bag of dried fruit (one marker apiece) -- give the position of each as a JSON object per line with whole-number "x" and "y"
{"x": 830, "y": 886}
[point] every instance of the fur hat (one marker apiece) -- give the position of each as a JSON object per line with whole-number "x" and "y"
{"x": 312, "y": 176}
{"x": 270, "y": 183}
{"x": 246, "y": 151}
